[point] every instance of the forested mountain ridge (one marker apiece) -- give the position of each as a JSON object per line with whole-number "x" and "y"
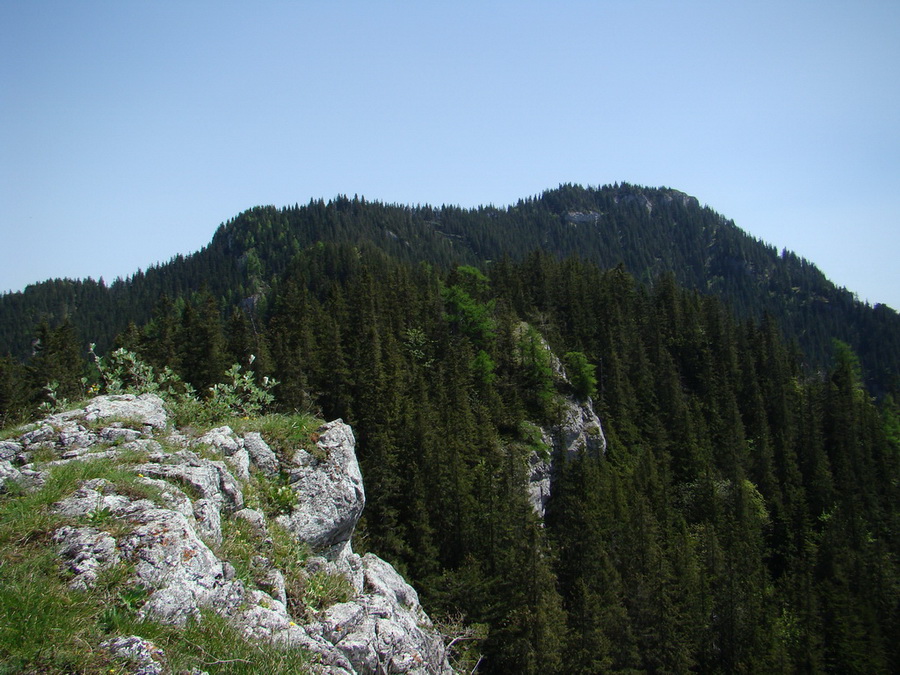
{"x": 741, "y": 515}
{"x": 652, "y": 231}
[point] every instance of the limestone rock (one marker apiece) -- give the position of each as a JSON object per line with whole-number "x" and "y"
{"x": 86, "y": 552}
{"x": 382, "y": 579}
{"x": 222, "y": 439}
{"x": 211, "y": 479}
{"x": 147, "y": 409}
{"x": 261, "y": 454}
{"x": 330, "y": 495}
{"x": 9, "y": 451}
{"x": 115, "y": 434}
{"x": 384, "y": 629}
{"x": 170, "y": 558}
{"x": 143, "y": 655}
{"x": 209, "y": 521}
{"x": 8, "y": 474}
{"x": 240, "y": 464}
{"x": 579, "y": 430}
{"x": 168, "y": 540}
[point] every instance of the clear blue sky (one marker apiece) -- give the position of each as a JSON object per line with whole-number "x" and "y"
{"x": 130, "y": 130}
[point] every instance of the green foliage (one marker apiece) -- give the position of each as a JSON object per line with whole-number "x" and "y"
{"x": 240, "y": 395}
{"x": 536, "y": 363}
{"x": 483, "y": 368}
{"x": 124, "y": 372}
{"x": 743, "y": 518}
{"x": 473, "y": 319}
{"x": 581, "y": 374}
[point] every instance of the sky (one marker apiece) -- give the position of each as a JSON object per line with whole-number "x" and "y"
{"x": 130, "y": 130}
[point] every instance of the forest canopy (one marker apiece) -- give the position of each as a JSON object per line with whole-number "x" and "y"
{"x": 742, "y": 518}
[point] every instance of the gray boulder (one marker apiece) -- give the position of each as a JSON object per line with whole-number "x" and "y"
{"x": 385, "y": 629}
{"x": 147, "y": 409}
{"x": 169, "y": 542}
{"x": 222, "y": 439}
{"x": 142, "y": 655}
{"x": 262, "y": 456}
{"x": 86, "y": 551}
{"x": 211, "y": 479}
{"x": 8, "y": 474}
{"x": 329, "y": 489}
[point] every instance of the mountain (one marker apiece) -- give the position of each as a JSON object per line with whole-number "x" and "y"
{"x": 586, "y": 467}
{"x": 652, "y": 231}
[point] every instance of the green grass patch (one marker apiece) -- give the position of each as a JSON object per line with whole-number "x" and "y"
{"x": 45, "y": 627}
{"x": 283, "y": 433}
{"x": 213, "y": 645}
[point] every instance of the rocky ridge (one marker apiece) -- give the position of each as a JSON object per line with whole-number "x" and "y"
{"x": 167, "y": 529}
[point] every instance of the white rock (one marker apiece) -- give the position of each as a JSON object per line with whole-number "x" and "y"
{"x": 240, "y": 465}
{"x": 86, "y": 551}
{"x": 209, "y": 521}
{"x": 261, "y": 454}
{"x": 330, "y": 494}
{"x": 222, "y": 439}
{"x": 143, "y": 655}
{"x": 146, "y": 409}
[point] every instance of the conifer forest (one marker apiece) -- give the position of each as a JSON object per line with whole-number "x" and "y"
{"x": 743, "y": 514}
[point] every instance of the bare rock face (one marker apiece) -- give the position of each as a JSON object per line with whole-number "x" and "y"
{"x": 262, "y": 456}
{"x": 210, "y": 478}
{"x": 146, "y": 408}
{"x": 579, "y": 430}
{"x": 166, "y": 529}
{"x": 329, "y": 489}
{"x": 385, "y": 629}
{"x": 86, "y": 551}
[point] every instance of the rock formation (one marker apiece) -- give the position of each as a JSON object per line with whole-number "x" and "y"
{"x": 168, "y": 530}
{"x": 577, "y": 430}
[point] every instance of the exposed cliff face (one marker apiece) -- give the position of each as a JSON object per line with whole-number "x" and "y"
{"x": 166, "y": 531}
{"x": 578, "y": 430}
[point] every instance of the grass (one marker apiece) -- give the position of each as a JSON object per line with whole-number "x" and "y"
{"x": 306, "y": 593}
{"x": 213, "y": 645}
{"x": 45, "y": 627}
{"x": 283, "y": 433}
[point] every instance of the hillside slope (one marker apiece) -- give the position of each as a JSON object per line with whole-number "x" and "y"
{"x": 651, "y": 231}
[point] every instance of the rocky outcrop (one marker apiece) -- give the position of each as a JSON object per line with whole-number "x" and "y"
{"x": 329, "y": 488}
{"x": 165, "y": 527}
{"x": 578, "y": 430}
